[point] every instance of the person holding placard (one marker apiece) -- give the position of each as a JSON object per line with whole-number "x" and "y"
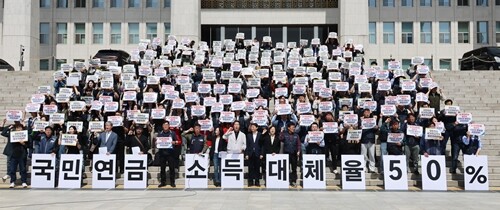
{"x": 368, "y": 142}
{"x": 449, "y": 124}
{"x": 137, "y": 139}
{"x": 311, "y": 143}
{"x": 432, "y": 146}
{"x": 291, "y": 146}
{"x": 471, "y": 144}
{"x": 331, "y": 141}
{"x": 198, "y": 141}
{"x": 412, "y": 146}
{"x": 167, "y": 154}
{"x": 435, "y": 96}
{"x": 78, "y": 148}
{"x": 17, "y": 156}
{"x": 58, "y": 84}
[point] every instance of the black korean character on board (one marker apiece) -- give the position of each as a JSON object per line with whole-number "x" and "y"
{"x": 282, "y": 169}
{"x": 102, "y": 166}
{"x": 197, "y": 168}
{"x": 71, "y": 169}
{"x": 232, "y": 168}
{"x": 41, "y": 170}
{"x": 135, "y": 170}
{"x": 315, "y": 169}
{"x": 353, "y": 170}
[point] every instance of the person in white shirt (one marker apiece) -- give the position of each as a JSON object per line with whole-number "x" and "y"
{"x": 236, "y": 140}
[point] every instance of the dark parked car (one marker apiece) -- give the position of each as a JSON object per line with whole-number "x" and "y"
{"x": 5, "y": 66}
{"x": 484, "y": 58}
{"x": 121, "y": 56}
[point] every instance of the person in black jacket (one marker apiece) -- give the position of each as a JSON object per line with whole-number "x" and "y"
{"x": 217, "y": 145}
{"x": 137, "y": 139}
{"x": 253, "y": 153}
{"x": 17, "y": 157}
{"x": 368, "y": 142}
{"x": 270, "y": 145}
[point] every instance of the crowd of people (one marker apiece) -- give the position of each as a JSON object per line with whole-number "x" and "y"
{"x": 242, "y": 96}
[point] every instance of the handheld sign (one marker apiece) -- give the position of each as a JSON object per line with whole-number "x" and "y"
{"x": 77, "y": 105}
{"x": 19, "y": 136}
{"x": 175, "y": 121}
{"x": 158, "y": 113}
{"x": 96, "y": 126}
{"x": 354, "y": 135}
{"x": 351, "y": 119}
{"x": 395, "y": 137}
{"x": 451, "y": 110}
{"x": 433, "y": 172}
{"x": 388, "y": 110}
{"x": 476, "y": 129}
{"x": 414, "y": 130}
{"x": 14, "y": 115}
{"x": 227, "y": 117}
{"x": 325, "y": 106}
{"x": 206, "y": 125}
{"x": 32, "y": 107}
{"x": 69, "y": 139}
{"x": 306, "y": 120}
{"x": 198, "y": 110}
{"x": 433, "y": 134}
{"x": 368, "y": 123}
{"x": 426, "y": 113}
{"x": 353, "y": 172}
{"x": 464, "y": 118}
{"x": 395, "y": 176}
{"x": 476, "y": 172}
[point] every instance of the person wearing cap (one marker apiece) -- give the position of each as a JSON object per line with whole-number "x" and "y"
{"x": 291, "y": 146}
{"x": 254, "y": 154}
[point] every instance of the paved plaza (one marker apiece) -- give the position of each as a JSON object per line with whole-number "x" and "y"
{"x": 248, "y": 199}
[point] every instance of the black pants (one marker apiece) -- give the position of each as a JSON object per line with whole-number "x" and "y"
{"x": 253, "y": 168}
{"x": 293, "y": 171}
{"x": 164, "y": 158}
{"x": 120, "y": 155}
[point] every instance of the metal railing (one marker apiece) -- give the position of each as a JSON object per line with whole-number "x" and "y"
{"x": 268, "y": 4}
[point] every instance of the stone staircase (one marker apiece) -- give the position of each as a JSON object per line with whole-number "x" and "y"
{"x": 467, "y": 89}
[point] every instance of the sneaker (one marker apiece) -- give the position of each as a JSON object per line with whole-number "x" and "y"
{"x": 293, "y": 184}
{"x": 12, "y": 185}
{"x": 162, "y": 185}
{"x": 335, "y": 171}
{"x": 5, "y": 177}
{"x": 25, "y": 185}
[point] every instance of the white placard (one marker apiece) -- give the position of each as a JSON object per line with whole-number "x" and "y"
{"x": 43, "y": 171}
{"x": 77, "y": 105}
{"x": 353, "y": 172}
{"x": 476, "y": 129}
{"x": 351, "y": 119}
{"x": 96, "y": 126}
{"x": 136, "y": 171}
{"x": 414, "y": 130}
{"x": 404, "y": 100}
{"x": 227, "y": 117}
{"x": 368, "y": 123}
{"x": 57, "y": 118}
{"x": 103, "y": 173}
{"x": 14, "y": 115}
{"x": 433, "y": 172}
{"x": 37, "y": 98}
{"x": 116, "y": 120}
{"x": 277, "y": 171}
{"x": 306, "y": 120}
{"x": 175, "y": 121}
{"x": 70, "y": 171}
{"x": 451, "y": 110}
{"x": 232, "y": 170}
{"x": 303, "y": 108}
{"x": 388, "y": 110}
{"x": 325, "y": 106}
{"x": 198, "y": 110}
{"x": 69, "y": 139}
{"x": 395, "y": 137}
{"x": 476, "y": 173}
{"x": 111, "y": 106}
{"x": 426, "y": 113}
{"x": 19, "y": 136}
{"x": 141, "y": 118}
{"x": 330, "y": 127}
{"x": 433, "y": 134}
{"x": 196, "y": 169}
{"x": 283, "y": 109}
{"x": 158, "y": 113}
{"x": 314, "y": 169}
{"x": 150, "y": 97}
{"x": 464, "y": 118}
{"x": 395, "y": 172}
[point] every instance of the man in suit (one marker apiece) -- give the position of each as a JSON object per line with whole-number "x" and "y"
{"x": 107, "y": 139}
{"x": 253, "y": 154}
{"x": 236, "y": 140}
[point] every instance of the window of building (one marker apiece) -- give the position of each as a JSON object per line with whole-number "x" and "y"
{"x": 80, "y": 3}
{"x": 62, "y": 3}
{"x": 166, "y": 27}
{"x": 444, "y": 3}
{"x": 152, "y": 3}
{"x": 482, "y": 3}
{"x": 115, "y": 3}
{"x": 386, "y": 63}
{"x": 97, "y": 33}
{"x": 372, "y": 27}
{"x": 133, "y": 33}
{"x": 116, "y": 33}
{"x": 134, "y": 3}
{"x": 388, "y": 32}
{"x": 405, "y": 63}
{"x": 98, "y": 3}
{"x": 482, "y": 32}
{"x": 79, "y": 33}
{"x": 426, "y": 3}
{"x": 428, "y": 62}
{"x": 151, "y": 31}
{"x": 44, "y": 64}
{"x": 44, "y": 33}
{"x": 498, "y": 31}
{"x": 59, "y": 62}
{"x": 62, "y": 33}
{"x": 407, "y": 3}
{"x": 166, "y": 3}
{"x": 444, "y": 32}
{"x": 407, "y": 32}
{"x": 372, "y": 3}
{"x": 462, "y": 2}
{"x": 45, "y": 3}
{"x": 445, "y": 64}
{"x": 463, "y": 32}
{"x": 388, "y": 3}
{"x": 426, "y": 32}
